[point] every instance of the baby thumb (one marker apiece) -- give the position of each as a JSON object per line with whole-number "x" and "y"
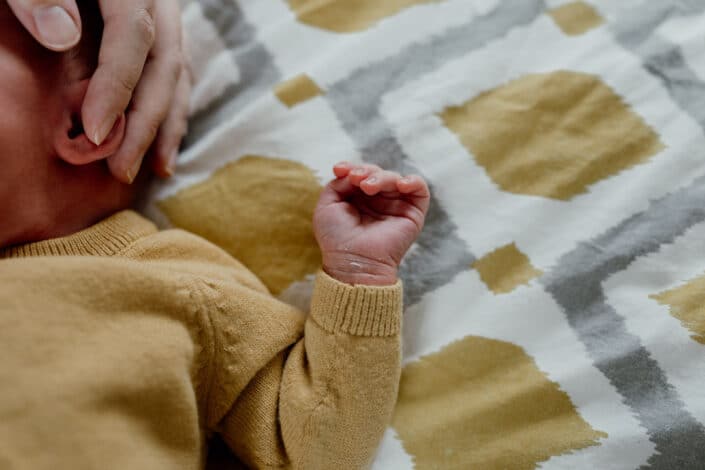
{"x": 56, "y": 24}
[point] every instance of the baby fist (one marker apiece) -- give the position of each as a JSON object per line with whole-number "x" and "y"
{"x": 366, "y": 220}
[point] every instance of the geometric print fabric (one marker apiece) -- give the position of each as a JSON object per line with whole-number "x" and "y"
{"x": 600, "y": 172}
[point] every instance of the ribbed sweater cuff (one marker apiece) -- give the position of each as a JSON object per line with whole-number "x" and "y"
{"x": 356, "y": 310}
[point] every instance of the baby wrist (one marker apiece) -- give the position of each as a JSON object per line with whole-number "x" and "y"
{"x": 359, "y": 270}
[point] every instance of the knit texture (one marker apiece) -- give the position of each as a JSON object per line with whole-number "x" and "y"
{"x": 125, "y": 347}
{"x": 358, "y": 310}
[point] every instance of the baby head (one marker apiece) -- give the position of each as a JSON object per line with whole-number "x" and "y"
{"x": 54, "y": 181}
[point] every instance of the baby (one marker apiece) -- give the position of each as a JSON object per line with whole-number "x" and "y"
{"x": 125, "y": 347}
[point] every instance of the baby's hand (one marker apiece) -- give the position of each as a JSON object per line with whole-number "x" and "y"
{"x": 366, "y": 220}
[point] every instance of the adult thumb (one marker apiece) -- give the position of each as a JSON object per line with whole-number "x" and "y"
{"x": 56, "y": 24}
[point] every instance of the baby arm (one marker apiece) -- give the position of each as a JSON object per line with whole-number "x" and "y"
{"x": 326, "y": 401}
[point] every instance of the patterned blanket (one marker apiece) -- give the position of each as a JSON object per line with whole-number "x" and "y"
{"x": 555, "y": 300}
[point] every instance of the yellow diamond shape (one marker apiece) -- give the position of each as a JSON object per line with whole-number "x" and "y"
{"x": 576, "y": 18}
{"x": 552, "y": 135}
{"x": 297, "y": 90}
{"x": 259, "y": 210}
{"x": 346, "y": 16}
{"x": 687, "y": 304}
{"x": 484, "y": 404}
{"x": 505, "y": 269}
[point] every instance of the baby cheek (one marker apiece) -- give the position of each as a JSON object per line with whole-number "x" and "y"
{"x": 21, "y": 131}
{"x": 29, "y": 101}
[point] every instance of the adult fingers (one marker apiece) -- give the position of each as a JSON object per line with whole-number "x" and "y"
{"x": 154, "y": 93}
{"x": 174, "y": 128}
{"x": 56, "y": 24}
{"x": 128, "y": 37}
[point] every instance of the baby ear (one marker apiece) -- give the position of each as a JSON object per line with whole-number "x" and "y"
{"x": 70, "y": 141}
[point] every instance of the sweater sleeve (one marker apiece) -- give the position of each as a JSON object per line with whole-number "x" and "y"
{"x": 325, "y": 399}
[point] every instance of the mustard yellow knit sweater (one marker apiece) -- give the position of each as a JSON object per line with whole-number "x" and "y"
{"x": 122, "y": 347}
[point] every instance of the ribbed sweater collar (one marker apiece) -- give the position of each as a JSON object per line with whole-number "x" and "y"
{"x": 106, "y": 238}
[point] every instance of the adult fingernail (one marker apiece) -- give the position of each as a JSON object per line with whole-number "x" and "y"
{"x": 103, "y": 131}
{"x": 134, "y": 170}
{"x": 56, "y": 27}
{"x": 171, "y": 166}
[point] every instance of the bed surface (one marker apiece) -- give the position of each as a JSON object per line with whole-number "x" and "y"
{"x": 554, "y": 303}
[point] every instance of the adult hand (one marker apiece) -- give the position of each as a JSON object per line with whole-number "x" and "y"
{"x": 141, "y": 71}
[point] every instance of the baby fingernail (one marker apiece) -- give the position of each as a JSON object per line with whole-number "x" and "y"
{"x": 358, "y": 172}
{"x": 372, "y": 180}
{"x": 56, "y": 27}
